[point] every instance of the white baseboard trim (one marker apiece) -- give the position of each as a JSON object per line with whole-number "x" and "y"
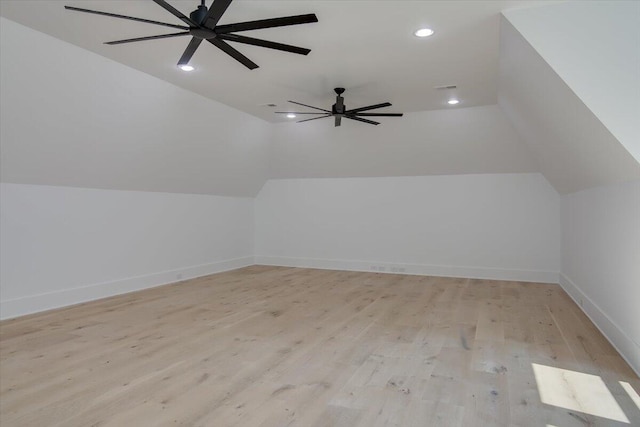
{"x": 48, "y": 301}
{"x": 627, "y": 348}
{"x": 413, "y": 269}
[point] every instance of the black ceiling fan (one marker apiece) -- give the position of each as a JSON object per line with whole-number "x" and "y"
{"x": 338, "y": 111}
{"x": 202, "y": 24}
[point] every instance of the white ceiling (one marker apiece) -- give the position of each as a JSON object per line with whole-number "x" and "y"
{"x": 103, "y": 125}
{"x": 75, "y": 117}
{"x": 366, "y": 46}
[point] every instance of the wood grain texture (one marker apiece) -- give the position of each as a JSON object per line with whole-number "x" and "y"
{"x": 274, "y": 346}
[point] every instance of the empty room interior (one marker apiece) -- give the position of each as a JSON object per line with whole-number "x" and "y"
{"x": 319, "y": 213}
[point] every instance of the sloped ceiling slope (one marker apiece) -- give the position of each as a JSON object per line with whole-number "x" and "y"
{"x": 573, "y": 148}
{"x": 70, "y": 117}
{"x": 594, "y": 47}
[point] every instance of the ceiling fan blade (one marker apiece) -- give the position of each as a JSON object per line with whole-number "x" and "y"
{"x": 175, "y": 12}
{"x": 225, "y": 47}
{"x": 315, "y": 118}
{"x": 294, "y": 112}
{"x": 377, "y": 114}
{"x": 338, "y": 121}
{"x": 309, "y": 106}
{"x": 217, "y": 9}
{"x": 140, "y": 39}
{"x": 131, "y": 18}
{"x": 189, "y": 51}
{"x": 264, "y": 43}
{"x": 370, "y": 107}
{"x": 371, "y": 122}
{"x": 267, "y": 23}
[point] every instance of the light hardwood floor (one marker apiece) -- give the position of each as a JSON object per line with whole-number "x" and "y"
{"x": 274, "y": 346}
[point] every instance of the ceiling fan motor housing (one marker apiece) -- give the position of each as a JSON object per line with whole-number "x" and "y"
{"x": 199, "y": 15}
{"x": 336, "y": 109}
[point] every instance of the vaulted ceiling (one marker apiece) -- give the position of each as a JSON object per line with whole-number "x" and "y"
{"x": 75, "y": 117}
{"x": 367, "y": 47}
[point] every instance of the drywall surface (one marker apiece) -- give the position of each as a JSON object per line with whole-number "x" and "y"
{"x": 442, "y": 142}
{"x": 594, "y": 46}
{"x": 601, "y": 260}
{"x": 70, "y": 117}
{"x": 63, "y": 245}
{"x": 500, "y": 226}
{"x": 572, "y": 146}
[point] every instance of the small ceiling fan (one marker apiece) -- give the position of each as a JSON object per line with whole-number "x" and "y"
{"x": 338, "y": 111}
{"x": 202, "y": 24}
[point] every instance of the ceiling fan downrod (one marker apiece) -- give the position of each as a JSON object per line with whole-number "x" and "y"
{"x": 338, "y": 108}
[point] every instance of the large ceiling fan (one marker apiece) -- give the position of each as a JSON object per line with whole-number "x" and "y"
{"x": 202, "y": 24}
{"x": 339, "y": 110}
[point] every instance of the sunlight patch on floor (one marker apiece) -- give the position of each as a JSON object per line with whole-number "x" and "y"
{"x": 631, "y": 392}
{"x": 577, "y": 391}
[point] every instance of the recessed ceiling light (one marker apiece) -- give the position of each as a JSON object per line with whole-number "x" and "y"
{"x": 291, "y": 116}
{"x": 186, "y": 67}
{"x": 424, "y": 32}
{"x": 453, "y": 102}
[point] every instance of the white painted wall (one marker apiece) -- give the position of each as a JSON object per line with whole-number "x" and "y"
{"x": 601, "y": 260}
{"x": 501, "y": 226}
{"x": 594, "y": 46}
{"x": 63, "y": 245}
{"x": 70, "y": 117}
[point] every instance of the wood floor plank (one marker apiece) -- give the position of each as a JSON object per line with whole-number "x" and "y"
{"x": 274, "y": 346}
